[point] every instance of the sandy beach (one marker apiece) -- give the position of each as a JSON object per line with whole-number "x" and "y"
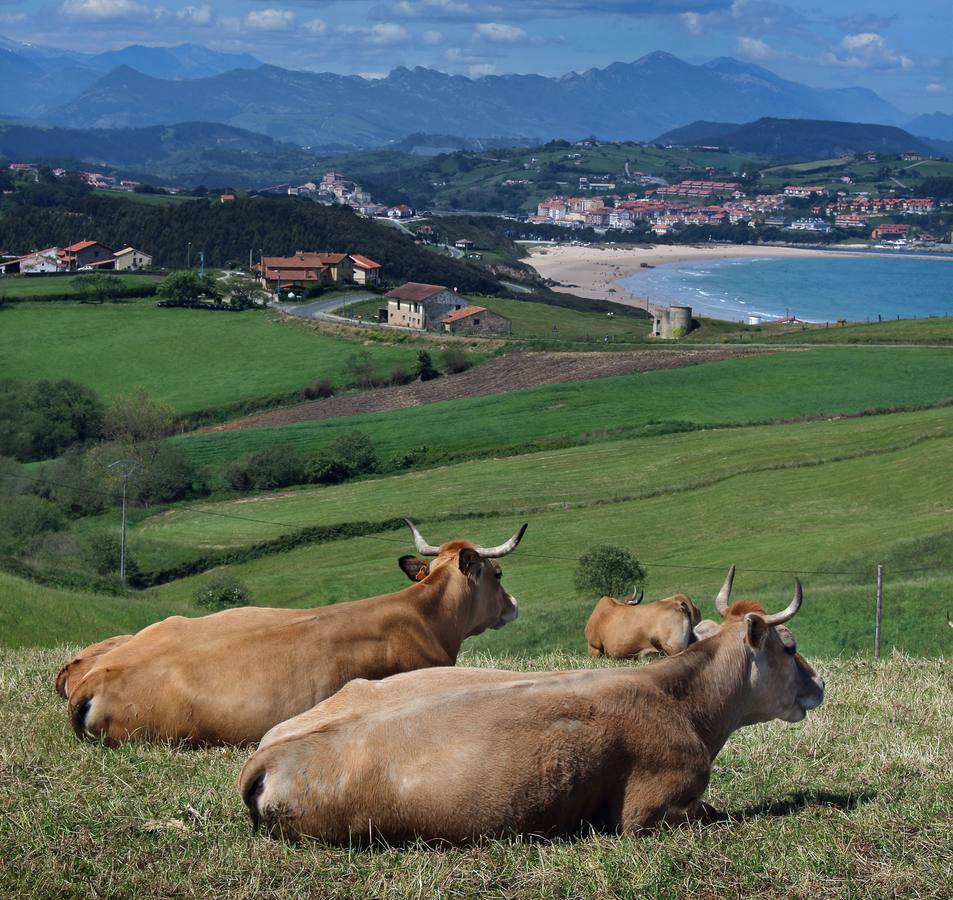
{"x": 595, "y": 271}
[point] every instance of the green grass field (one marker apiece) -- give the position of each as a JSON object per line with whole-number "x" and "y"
{"x": 191, "y": 358}
{"x": 16, "y": 286}
{"x": 934, "y": 330}
{"x": 852, "y": 802}
{"x": 740, "y": 391}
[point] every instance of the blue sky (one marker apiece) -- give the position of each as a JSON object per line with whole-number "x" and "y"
{"x": 905, "y": 53}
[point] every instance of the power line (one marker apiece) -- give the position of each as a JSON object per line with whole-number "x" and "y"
{"x": 528, "y": 553}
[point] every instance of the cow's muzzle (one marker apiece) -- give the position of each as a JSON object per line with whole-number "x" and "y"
{"x": 510, "y": 614}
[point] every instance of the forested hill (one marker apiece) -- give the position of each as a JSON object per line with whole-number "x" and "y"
{"x": 227, "y": 231}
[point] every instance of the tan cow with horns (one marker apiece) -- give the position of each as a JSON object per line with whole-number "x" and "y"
{"x": 625, "y": 629}
{"x": 450, "y": 756}
{"x": 227, "y": 678}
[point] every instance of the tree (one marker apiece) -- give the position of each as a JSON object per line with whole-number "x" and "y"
{"x": 137, "y": 418}
{"x": 188, "y": 287}
{"x": 97, "y": 287}
{"x": 426, "y": 370}
{"x": 244, "y": 294}
{"x": 361, "y": 368}
{"x": 606, "y": 570}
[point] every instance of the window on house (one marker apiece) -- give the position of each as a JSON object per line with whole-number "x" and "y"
{"x": 476, "y": 321}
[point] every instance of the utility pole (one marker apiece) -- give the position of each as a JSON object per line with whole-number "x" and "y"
{"x": 126, "y": 469}
{"x": 188, "y": 256}
{"x": 201, "y": 262}
{"x": 880, "y": 610}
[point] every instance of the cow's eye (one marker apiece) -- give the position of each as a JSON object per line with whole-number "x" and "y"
{"x": 790, "y": 649}
{"x": 498, "y": 574}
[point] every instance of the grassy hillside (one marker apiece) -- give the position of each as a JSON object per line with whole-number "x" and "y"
{"x": 739, "y": 391}
{"x": 39, "y": 287}
{"x": 191, "y": 358}
{"x": 32, "y": 614}
{"x": 854, "y": 801}
{"x": 833, "y": 517}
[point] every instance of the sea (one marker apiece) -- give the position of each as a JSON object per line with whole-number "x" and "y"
{"x": 814, "y": 289}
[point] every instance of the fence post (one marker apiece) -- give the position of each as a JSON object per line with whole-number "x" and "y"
{"x": 880, "y": 609}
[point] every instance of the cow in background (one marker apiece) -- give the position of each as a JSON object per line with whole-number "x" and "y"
{"x": 628, "y": 629}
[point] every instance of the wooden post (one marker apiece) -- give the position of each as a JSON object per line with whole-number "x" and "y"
{"x": 880, "y": 610}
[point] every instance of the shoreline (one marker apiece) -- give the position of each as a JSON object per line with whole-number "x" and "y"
{"x": 595, "y": 271}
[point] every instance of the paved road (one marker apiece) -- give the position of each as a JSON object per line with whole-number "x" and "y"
{"x": 318, "y": 309}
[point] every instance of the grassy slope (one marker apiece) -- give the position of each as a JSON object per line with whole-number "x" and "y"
{"x": 536, "y": 482}
{"x": 751, "y": 390}
{"x": 193, "y": 359}
{"x": 839, "y": 517}
{"x": 35, "y": 614}
{"x": 38, "y": 287}
{"x": 854, "y": 802}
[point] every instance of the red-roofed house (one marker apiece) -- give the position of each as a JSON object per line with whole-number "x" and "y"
{"x": 476, "y": 320}
{"x": 366, "y": 271}
{"x": 416, "y": 305}
{"x": 86, "y": 253}
{"x": 305, "y": 270}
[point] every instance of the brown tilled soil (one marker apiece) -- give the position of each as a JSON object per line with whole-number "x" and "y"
{"x": 505, "y": 373}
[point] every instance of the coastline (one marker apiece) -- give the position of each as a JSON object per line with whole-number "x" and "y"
{"x": 595, "y": 271}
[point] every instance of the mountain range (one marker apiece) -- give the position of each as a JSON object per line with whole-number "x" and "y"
{"x": 146, "y": 86}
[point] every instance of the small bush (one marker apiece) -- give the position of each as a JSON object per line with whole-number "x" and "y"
{"x": 24, "y": 519}
{"x": 679, "y": 332}
{"x": 350, "y": 455}
{"x": 400, "y": 376}
{"x": 410, "y": 458}
{"x": 455, "y": 360}
{"x": 611, "y": 571}
{"x": 425, "y": 367}
{"x": 102, "y": 553}
{"x": 223, "y": 591}
{"x": 316, "y": 290}
{"x": 318, "y": 390}
{"x": 265, "y": 470}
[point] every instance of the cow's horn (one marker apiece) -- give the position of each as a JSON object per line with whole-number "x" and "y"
{"x": 635, "y": 601}
{"x": 782, "y": 617}
{"x": 721, "y": 601}
{"x": 503, "y": 549}
{"x": 420, "y": 543}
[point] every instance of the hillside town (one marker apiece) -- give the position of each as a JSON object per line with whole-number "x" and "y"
{"x": 83, "y": 256}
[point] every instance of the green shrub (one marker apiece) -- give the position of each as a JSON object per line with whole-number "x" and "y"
{"x": 265, "y": 470}
{"x": 425, "y": 367}
{"x": 352, "y": 454}
{"x": 24, "y": 518}
{"x": 611, "y": 571}
{"x": 455, "y": 360}
{"x": 318, "y": 390}
{"x": 678, "y": 332}
{"x": 102, "y": 552}
{"x": 223, "y": 591}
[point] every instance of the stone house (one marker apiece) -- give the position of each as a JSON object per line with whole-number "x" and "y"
{"x": 423, "y": 304}
{"x": 476, "y": 320}
{"x": 132, "y": 260}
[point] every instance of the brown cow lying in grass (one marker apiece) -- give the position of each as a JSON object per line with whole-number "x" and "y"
{"x": 449, "y": 756}
{"x": 227, "y": 678}
{"x": 626, "y": 629}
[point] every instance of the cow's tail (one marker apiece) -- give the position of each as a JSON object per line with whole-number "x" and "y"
{"x": 252, "y": 788}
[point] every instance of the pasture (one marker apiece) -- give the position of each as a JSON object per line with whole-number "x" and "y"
{"x": 757, "y": 389}
{"x": 191, "y": 358}
{"x": 854, "y": 801}
{"x": 16, "y": 287}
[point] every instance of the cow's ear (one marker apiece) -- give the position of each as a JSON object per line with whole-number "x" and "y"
{"x": 415, "y": 569}
{"x": 469, "y": 561}
{"x": 757, "y": 630}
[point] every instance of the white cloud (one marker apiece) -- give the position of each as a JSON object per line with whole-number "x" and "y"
{"x": 100, "y": 10}
{"x": 196, "y": 15}
{"x": 478, "y": 70}
{"x": 935, "y": 88}
{"x": 692, "y": 22}
{"x": 270, "y": 19}
{"x": 373, "y": 76}
{"x": 382, "y": 34}
{"x": 755, "y": 48}
{"x": 316, "y": 26}
{"x": 866, "y": 50}
{"x": 432, "y": 37}
{"x": 499, "y": 34}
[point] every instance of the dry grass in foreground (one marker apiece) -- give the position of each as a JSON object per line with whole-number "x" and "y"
{"x": 856, "y": 801}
